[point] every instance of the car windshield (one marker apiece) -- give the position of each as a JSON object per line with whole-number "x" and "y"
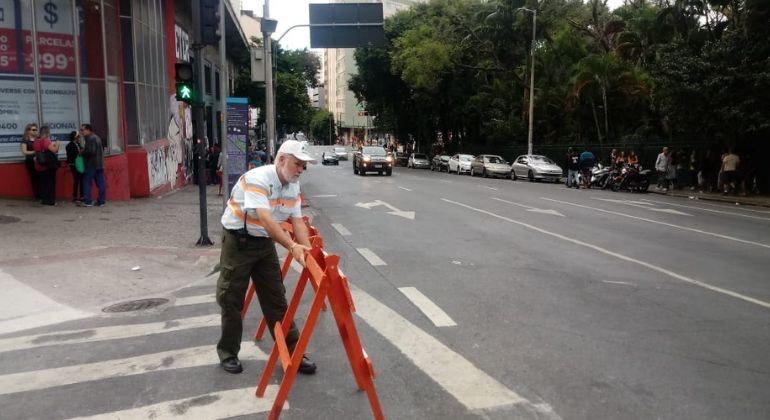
{"x": 495, "y": 159}
{"x": 420, "y": 156}
{"x": 339, "y": 149}
{"x": 541, "y": 159}
{"x": 466, "y": 158}
{"x": 374, "y": 151}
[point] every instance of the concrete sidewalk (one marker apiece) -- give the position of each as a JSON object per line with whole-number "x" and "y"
{"x": 753, "y": 200}
{"x": 66, "y": 262}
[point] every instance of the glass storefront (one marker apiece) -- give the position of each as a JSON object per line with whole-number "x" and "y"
{"x": 73, "y": 80}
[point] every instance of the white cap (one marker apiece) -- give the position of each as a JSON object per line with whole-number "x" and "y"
{"x": 298, "y": 149}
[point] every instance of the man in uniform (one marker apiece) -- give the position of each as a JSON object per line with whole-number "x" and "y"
{"x": 263, "y": 198}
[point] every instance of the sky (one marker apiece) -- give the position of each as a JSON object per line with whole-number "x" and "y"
{"x": 295, "y": 12}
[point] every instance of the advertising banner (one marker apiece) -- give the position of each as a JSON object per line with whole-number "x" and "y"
{"x": 237, "y": 139}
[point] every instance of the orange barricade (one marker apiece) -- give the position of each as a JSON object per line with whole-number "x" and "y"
{"x": 323, "y": 273}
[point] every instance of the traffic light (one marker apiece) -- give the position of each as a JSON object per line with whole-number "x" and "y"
{"x": 185, "y": 89}
{"x": 210, "y": 22}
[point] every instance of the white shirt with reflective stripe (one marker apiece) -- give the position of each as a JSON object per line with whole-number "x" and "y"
{"x": 260, "y": 188}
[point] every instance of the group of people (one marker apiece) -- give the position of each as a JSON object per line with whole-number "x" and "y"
{"x": 706, "y": 172}
{"x": 579, "y": 163}
{"x": 85, "y": 159}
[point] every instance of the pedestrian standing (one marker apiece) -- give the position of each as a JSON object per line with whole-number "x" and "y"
{"x": 632, "y": 159}
{"x": 27, "y": 149}
{"x": 586, "y": 162}
{"x": 261, "y": 199}
{"x": 74, "y": 148}
{"x": 573, "y": 166}
{"x": 671, "y": 171}
{"x": 730, "y": 164}
{"x": 93, "y": 154}
{"x": 661, "y": 165}
{"x": 47, "y": 171}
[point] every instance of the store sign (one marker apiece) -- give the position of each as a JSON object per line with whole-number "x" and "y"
{"x": 182, "y": 39}
{"x": 237, "y": 139}
{"x": 56, "y": 57}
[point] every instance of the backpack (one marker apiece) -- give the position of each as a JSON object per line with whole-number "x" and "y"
{"x": 46, "y": 159}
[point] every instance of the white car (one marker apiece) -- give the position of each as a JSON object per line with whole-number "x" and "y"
{"x": 341, "y": 152}
{"x": 460, "y": 163}
{"x": 536, "y": 167}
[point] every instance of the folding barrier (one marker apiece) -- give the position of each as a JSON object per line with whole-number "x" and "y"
{"x": 322, "y": 272}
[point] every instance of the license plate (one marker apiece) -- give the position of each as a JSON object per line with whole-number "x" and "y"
{"x": 378, "y": 165}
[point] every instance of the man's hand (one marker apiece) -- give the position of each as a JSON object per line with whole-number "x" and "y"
{"x": 298, "y": 252}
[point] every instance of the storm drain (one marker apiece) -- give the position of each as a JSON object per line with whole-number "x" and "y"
{"x": 6, "y": 220}
{"x": 135, "y": 305}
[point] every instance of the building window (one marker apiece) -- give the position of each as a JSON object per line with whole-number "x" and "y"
{"x": 216, "y": 85}
{"x": 207, "y": 78}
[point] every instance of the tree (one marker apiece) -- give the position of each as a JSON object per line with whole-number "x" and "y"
{"x": 322, "y": 127}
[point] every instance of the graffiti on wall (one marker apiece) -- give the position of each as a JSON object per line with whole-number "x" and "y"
{"x": 172, "y": 163}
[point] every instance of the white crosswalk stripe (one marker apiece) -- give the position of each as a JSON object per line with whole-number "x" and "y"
{"x": 107, "y": 333}
{"x": 217, "y": 405}
{"x": 137, "y": 365}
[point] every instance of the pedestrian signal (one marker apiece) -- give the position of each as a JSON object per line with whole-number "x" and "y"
{"x": 184, "y": 92}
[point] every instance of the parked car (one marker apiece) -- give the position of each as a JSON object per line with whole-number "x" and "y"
{"x": 440, "y": 163}
{"x": 490, "y": 165}
{"x": 536, "y": 167}
{"x": 330, "y": 158}
{"x": 460, "y": 163}
{"x": 418, "y": 160}
{"x": 372, "y": 159}
{"x": 401, "y": 159}
{"x": 341, "y": 152}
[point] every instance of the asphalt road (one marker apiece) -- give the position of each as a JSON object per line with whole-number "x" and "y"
{"x": 476, "y": 298}
{"x": 599, "y": 304}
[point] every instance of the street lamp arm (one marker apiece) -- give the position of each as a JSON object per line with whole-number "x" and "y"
{"x": 290, "y": 28}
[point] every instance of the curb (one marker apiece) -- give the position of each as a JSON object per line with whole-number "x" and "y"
{"x": 722, "y": 199}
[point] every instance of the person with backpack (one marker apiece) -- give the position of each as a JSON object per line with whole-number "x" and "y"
{"x": 27, "y": 149}
{"x": 93, "y": 154}
{"x": 74, "y": 148}
{"x": 46, "y": 163}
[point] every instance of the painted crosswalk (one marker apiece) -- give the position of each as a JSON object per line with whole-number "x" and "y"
{"x": 477, "y": 391}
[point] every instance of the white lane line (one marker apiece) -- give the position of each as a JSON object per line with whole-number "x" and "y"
{"x": 711, "y": 210}
{"x": 625, "y": 283}
{"x": 107, "y": 333}
{"x": 528, "y": 208}
{"x": 622, "y": 257}
{"x": 491, "y": 188}
{"x": 436, "y": 315}
{"x": 342, "y": 230}
{"x": 216, "y": 405}
{"x": 370, "y": 256}
{"x": 404, "y": 188}
{"x": 704, "y": 232}
{"x": 323, "y": 196}
{"x": 174, "y": 359}
{"x": 194, "y": 300}
{"x": 459, "y": 377}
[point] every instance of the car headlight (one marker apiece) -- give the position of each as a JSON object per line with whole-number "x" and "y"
{"x": 367, "y": 158}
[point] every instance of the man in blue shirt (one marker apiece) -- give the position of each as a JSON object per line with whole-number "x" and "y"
{"x": 587, "y": 161}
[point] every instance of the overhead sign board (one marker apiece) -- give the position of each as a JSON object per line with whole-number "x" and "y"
{"x": 346, "y": 25}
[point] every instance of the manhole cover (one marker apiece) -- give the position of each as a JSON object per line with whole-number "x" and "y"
{"x": 5, "y": 220}
{"x": 135, "y": 305}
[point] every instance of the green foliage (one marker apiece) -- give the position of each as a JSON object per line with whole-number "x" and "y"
{"x": 454, "y": 74}
{"x": 322, "y": 127}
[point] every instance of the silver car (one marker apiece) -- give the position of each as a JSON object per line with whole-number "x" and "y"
{"x": 418, "y": 160}
{"x": 341, "y": 152}
{"x": 536, "y": 167}
{"x": 490, "y": 165}
{"x": 460, "y": 163}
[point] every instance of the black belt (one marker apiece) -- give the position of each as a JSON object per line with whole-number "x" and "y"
{"x": 240, "y": 233}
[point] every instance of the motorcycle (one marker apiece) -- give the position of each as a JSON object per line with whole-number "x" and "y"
{"x": 600, "y": 175}
{"x": 632, "y": 178}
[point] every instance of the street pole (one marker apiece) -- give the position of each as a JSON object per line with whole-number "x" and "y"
{"x": 269, "y": 94}
{"x": 223, "y": 93}
{"x": 200, "y": 124}
{"x": 531, "y": 78}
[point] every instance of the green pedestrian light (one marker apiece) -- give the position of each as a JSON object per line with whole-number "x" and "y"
{"x": 184, "y": 92}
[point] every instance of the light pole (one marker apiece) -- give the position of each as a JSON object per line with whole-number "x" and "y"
{"x": 531, "y": 77}
{"x": 268, "y": 27}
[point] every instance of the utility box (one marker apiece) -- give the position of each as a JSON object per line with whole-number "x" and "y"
{"x": 257, "y": 64}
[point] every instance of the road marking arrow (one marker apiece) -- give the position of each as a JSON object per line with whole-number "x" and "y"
{"x": 394, "y": 211}
{"x": 532, "y": 209}
{"x": 643, "y": 205}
